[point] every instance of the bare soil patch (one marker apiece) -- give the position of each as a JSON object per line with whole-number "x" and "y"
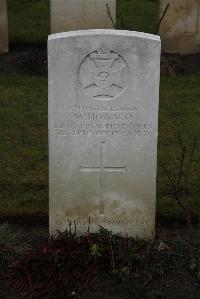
{"x": 168, "y": 268}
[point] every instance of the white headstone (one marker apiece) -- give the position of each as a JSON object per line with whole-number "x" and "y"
{"x": 3, "y": 27}
{"x": 103, "y": 126}
{"x": 180, "y": 28}
{"x": 67, "y": 15}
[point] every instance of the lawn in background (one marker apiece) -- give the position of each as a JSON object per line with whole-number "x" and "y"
{"x": 24, "y": 149}
{"x": 29, "y": 21}
{"x": 24, "y": 154}
{"x": 138, "y": 15}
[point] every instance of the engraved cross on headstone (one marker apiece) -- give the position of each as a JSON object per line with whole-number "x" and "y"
{"x": 102, "y": 169}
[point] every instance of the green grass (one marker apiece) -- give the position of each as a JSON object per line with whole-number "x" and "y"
{"x": 29, "y": 21}
{"x": 23, "y": 133}
{"x": 138, "y": 15}
{"x": 24, "y": 167}
{"x": 179, "y": 110}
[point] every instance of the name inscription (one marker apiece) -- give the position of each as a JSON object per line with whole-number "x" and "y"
{"x": 102, "y": 121}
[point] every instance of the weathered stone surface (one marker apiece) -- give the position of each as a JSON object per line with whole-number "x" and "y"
{"x": 180, "y": 29}
{"x": 69, "y": 15}
{"x": 103, "y": 125}
{"x": 3, "y": 27}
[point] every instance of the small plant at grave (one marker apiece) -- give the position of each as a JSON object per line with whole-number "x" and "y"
{"x": 59, "y": 268}
{"x": 67, "y": 265}
{"x": 179, "y": 246}
{"x": 95, "y": 250}
{"x": 71, "y": 266}
{"x": 180, "y": 185}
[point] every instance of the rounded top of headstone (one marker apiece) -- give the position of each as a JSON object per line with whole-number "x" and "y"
{"x": 104, "y": 32}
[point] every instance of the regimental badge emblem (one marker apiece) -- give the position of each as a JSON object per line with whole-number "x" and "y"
{"x": 103, "y": 74}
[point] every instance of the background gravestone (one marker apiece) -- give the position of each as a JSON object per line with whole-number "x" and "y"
{"x": 69, "y": 15}
{"x": 180, "y": 29}
{"x": 3, "y": 27}
{"x": 103, "y": 125}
